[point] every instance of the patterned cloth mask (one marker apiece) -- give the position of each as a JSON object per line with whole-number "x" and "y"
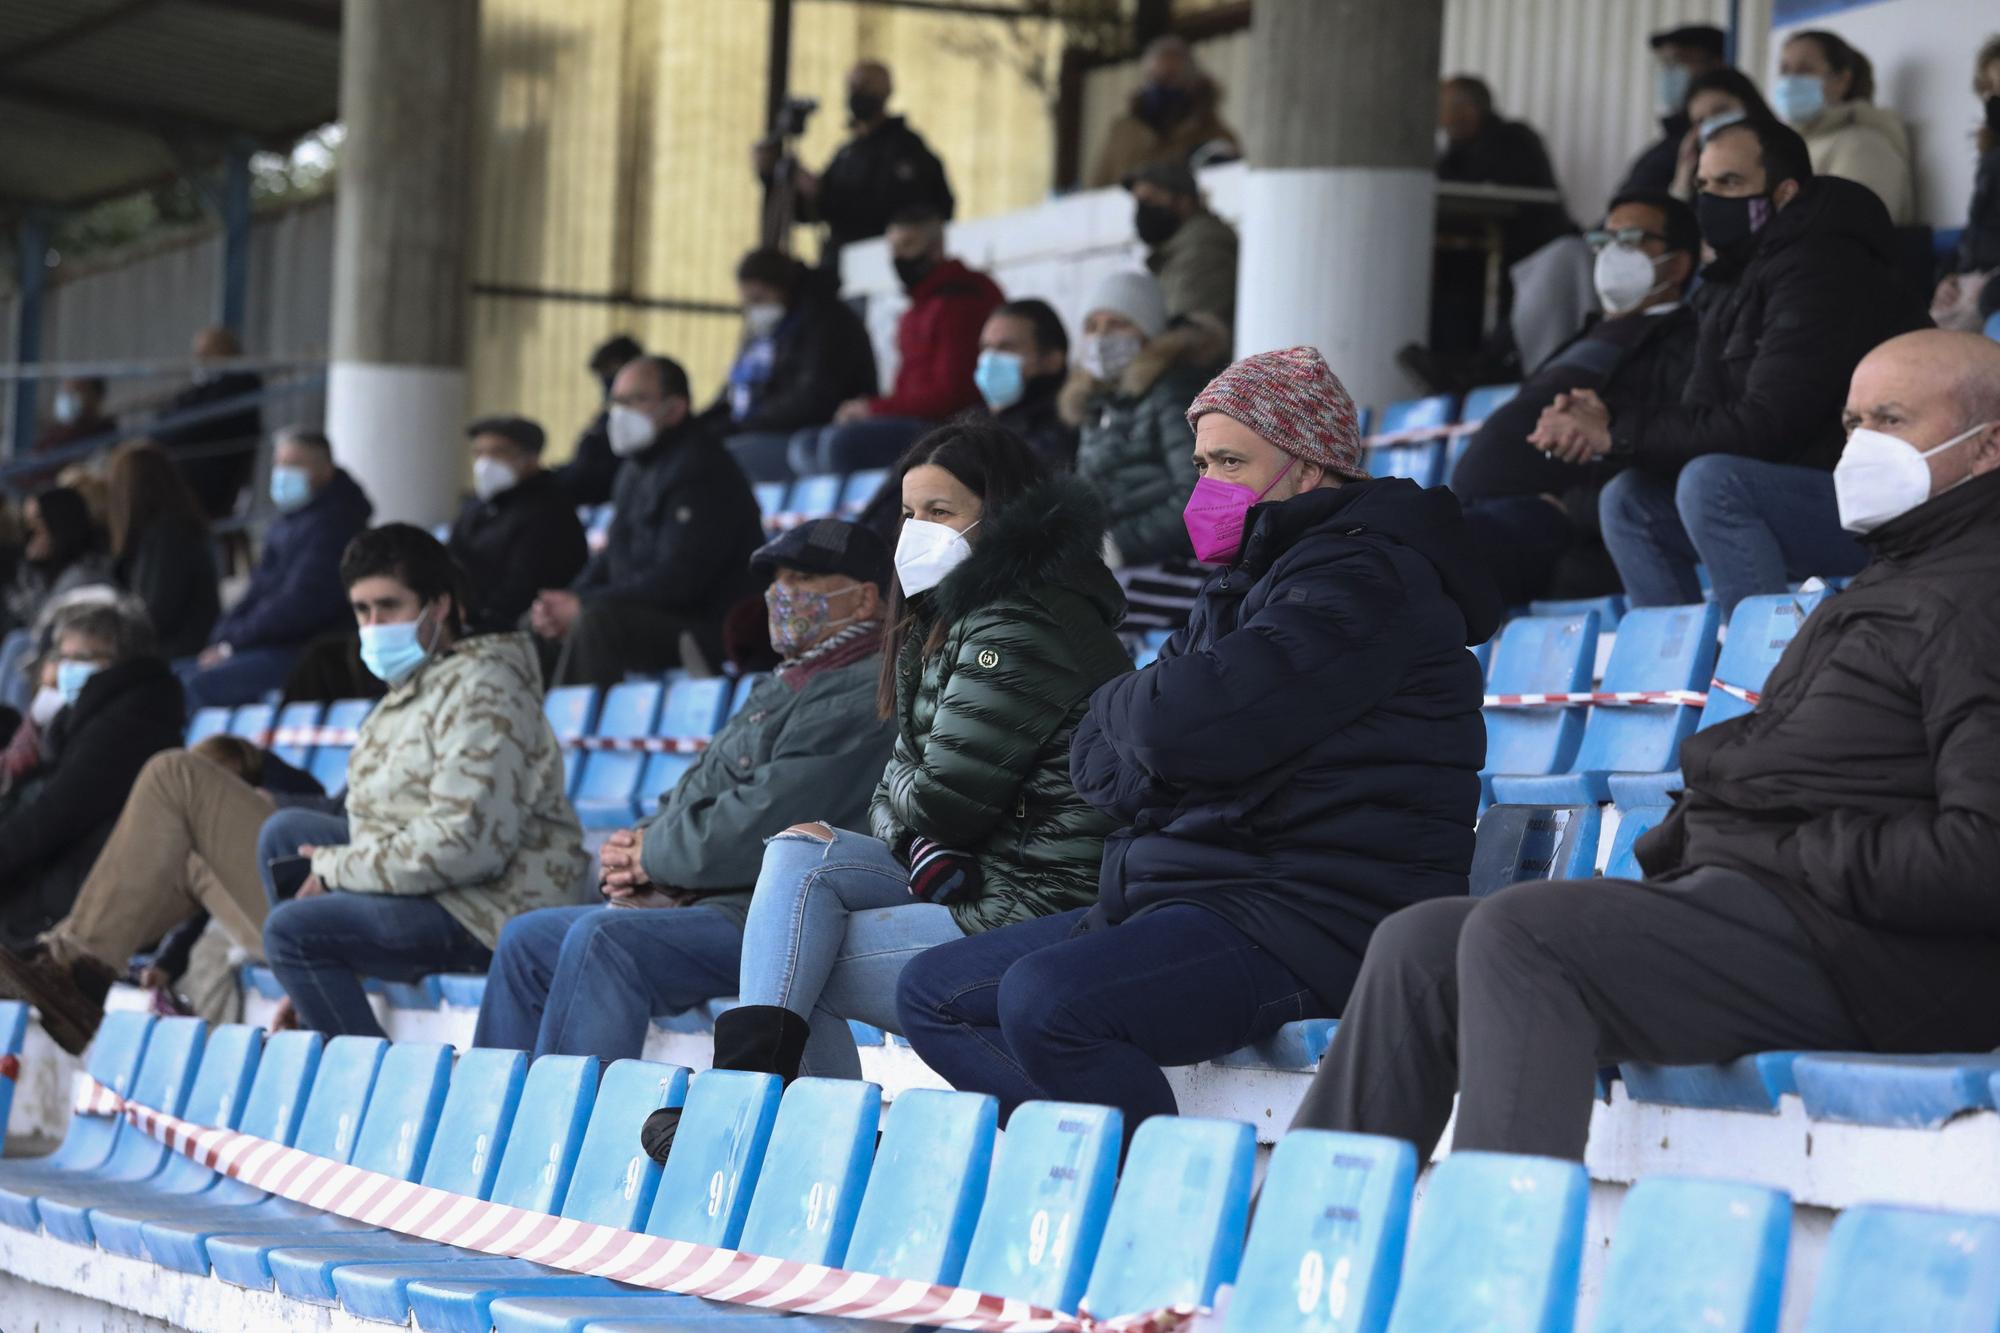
{"x": 798, "y": 618}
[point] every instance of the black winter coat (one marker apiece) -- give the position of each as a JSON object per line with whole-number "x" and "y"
{"x": 295, "y": 592}
{"x": 1509, "y": 152}
{"x": 54, "y": 822}
{"x": 1037, "y": 419}
{"x": 171, "y": 568}
{"x": 1654, "y": 168}
{"x": 217, "y": 476}
{"x": 821, "y": 358}
{"x": 1304, "y": 757}
{"x": 523, "y": 540}
{"x": 1864, "y": 790}
{"x": 873, "y": 177}
{"x": 1781, "y": 331}
{"x": 1979, "y": 247}
{"x": 592, "y": 469}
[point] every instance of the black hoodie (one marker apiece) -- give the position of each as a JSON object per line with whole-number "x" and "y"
{"x": 1782, "y": 328}
{"x": 1304, "y": 757}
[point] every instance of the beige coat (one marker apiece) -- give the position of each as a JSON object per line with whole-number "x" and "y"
{"x": 1131, "y": 143}
{"x": 1861, "y": 142}
{"x": 455, "y": 790}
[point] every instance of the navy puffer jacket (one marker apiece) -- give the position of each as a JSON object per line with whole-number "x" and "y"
{"x": 1303, "y": 759}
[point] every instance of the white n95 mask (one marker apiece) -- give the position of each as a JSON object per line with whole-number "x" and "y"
{"x": 1880, "y": 477}
{"x": 926, "y": 552}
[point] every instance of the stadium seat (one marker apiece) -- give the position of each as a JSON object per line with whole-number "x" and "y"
{"x": 206, "y": 722}
{"x": 461, "y": 990}
{"x": 13, "y": 1031}
{"x": 1908, "y": 1268}
{"x": 1901, "y": 1091}
{"x": 252, "y": 722}
{"x": 1522, "y": 842}
{"x": 1696, "y": 1254}
{"x": 604, "y": 789}
{"x": 1479, "y": 404}
{"x": 1657, "y": 648}
{"x": 770, "y": 500}
{"x": 1753, "y": 1083}
{"x": 329, "y": 762}
{"x": 859, "y": 489}
{"x": 744, "y": 687}
{"x": 1993, "y": 326}
{"x": 597, "y": 530}
{"x": 572, "y": 712}
{"x": 810, "y": 498}
{"x": 1483, "y": 654}
{"x": 88, "y": 1140}
{"x": 692, "y": 711}
{"x": 1610, "y": 610}
{"x": 1296, "y": 1045}
{"x": 1326, "y": 1250}
{"x": 1633, "y": 823}
{"x": 1175, "y": 1232}
{"x": 1422, "y": 461}
{"x": 1538, "y": 655}
{"x": 1499, "y": 1247}
{"x": 301, "y": 716}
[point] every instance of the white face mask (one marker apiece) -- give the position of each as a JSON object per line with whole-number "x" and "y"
{"x": 1880, "y": 477}
{"x": 630, "y": 430}
{"x": 761, "y": 318}
{"x": 926, "y": 552}
{"x": 1106, "y": 355}
{"x": 48, "y": 702}
{"x": 1625, "y": 278}
{"x": 490, "y": 477}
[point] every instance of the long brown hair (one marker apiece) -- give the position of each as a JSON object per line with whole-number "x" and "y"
{"x": 143, "y": 487}
{"x": 1989, "y": 54}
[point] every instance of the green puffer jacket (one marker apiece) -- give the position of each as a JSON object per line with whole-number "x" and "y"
{"x": 981, "y": 762}
{"x": 1134, "y": 443}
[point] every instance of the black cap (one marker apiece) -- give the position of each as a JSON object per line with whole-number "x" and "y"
{"x": 827, "y": 546}
{"x": 1700, "y": 36}
{"x": 518, "y": 429}
{"x": 1170, "y": 174}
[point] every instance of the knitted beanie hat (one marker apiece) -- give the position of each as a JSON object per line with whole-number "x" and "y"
{"x": 1136, "y": 296}
{"x": 1293, "y": 401}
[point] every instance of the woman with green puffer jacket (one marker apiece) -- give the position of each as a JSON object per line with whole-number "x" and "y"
{"x": 1003, "y": 620}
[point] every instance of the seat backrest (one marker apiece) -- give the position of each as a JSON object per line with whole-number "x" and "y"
{"x": 1760, "y": 629}
{"x": 114, "y": 1058}
{"x": 252, "y": 722}
{"x": 661, "y": 775}
{"x": 478, "y": 1117}
{"x": 216, "y": 1098}
{"x": 402, "y": 1115}
{"x": 1482, "y": 402}
{"x": 301, "y": 716}
{"x": 1696, "y": 1254}
{"x": 1499, "y": 1246}
{"x": 693, "y": 708}
{"x": 277, "y": 1097}
{"x": 165, "y": 1073}
{"x": 572, "y": 712}
{"x": 1326, "y": 1249}
{"x": 705, "y": 1187}
{"x": 348, "y": 714}
{"x": 1415, "y": 414}
{"x": 1657, "y": 648}
{"x": 1524, "y": 842}
{"x": 1175, "y": 1232}
{"x": 13, "y": 1031}
{"x": 926, "y": 1187}
{"x": 814, "y": 497}
{"x": 1422, "y": 461}
{"x": 744, "y": 687}
{"x": 770, "y": 498}
{"x": 630, "y": 710}
{"x": 860, "y": 488}
{"x": 1539, "y": 655}
{"x": 348, "y": 1068}
{"x": 614, "y": 1180}
{"x": 814, "y": 1171}
{"x": 206, "y": 722}
{"x": 329, "y": 762}
{"x": 1908, "y": 1268}
{"x": 1046, "y": 1204}
{"x": 540, "y": 1151}
{"x": 1633, "y": 824}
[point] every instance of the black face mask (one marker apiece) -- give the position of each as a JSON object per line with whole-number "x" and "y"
{"x": 914, "y": 270}
{"x": 1730, "y": 226}
{"x": 1155, "y": 223}
{"x": 864, "y": 107}
{"x": 1161, "y": 104}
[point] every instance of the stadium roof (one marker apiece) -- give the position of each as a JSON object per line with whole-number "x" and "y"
{"x": 102, "y": 97}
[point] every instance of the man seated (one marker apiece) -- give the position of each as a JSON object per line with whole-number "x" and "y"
{"x": 592, "y": 468}
{"x": 808, "y": 744}
{"x": 1173, "y": 117}
{"x": 683, "y": 525}
{"x": 518, "y": 533}
{"x": 1533, "y": 517}
{"x": 216, "y": 453}
{"x": 1826, "y": 882}
{"x": 1023, "y": 361}
{"x": 1738, "y": 474}
{"x": 1301, "y": 762}
{"x": 937, "y": 342}
{"x": 1190, "y": 249}
{"x": 294, "y": 594}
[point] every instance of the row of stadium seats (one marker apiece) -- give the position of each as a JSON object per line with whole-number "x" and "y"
{"x": 818, "y": 1174}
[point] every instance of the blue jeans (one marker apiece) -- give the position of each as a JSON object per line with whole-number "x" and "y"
{"x": 856, "y": 446}
{"x": 321, "y": 947}
{"x": 293, "y": 827}
{"x": 1756, "y": 525}
{"x": 246, "y": 677}
{"x": 1036, "y": 1010}
{"x": 586, "y": 980}
{"x": 830, "y": 929}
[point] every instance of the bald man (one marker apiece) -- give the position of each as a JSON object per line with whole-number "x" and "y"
{"x": 1827, "y": 880}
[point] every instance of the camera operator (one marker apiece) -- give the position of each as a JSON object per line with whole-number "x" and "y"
{"x": 883, "y": 169}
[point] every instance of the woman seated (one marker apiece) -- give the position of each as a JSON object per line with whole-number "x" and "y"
{"x": 160, "y": 547}
{"x": 1826, "y": 91}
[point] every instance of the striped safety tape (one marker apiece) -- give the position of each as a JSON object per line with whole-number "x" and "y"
{"x": 309, "y": 737}
{"x": 1620, "y": 698}
{"x": 10, "y": 1068}
{"x": 1751, "y": 697}
{"x": 579, "y": 1247}
{"x": 1418, "y": 434}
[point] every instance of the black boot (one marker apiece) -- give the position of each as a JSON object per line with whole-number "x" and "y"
{"x": 760, "y": 1038}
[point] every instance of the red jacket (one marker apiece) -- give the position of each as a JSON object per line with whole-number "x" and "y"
{"x": 938, "y": 341}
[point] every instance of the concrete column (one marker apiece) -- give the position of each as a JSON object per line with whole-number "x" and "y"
{"x": 395, "y": 397}
{"x": 1337, "y": 225}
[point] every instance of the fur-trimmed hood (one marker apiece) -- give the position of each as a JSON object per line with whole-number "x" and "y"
{"x": 1051, "y": 534}
{"x": 1200, "y": 342}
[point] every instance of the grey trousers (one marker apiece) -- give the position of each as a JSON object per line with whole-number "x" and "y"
{"x": 1514, "y": 1001}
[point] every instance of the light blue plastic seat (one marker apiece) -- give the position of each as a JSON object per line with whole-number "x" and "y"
{"x": 13, "y": 1032}
{"x": 1633, "y": 824}
{"x": 1908, "y": 1268}
{"x": 461, "y": 990}
{"x": 1483, "y": 654}
{"x": 859, "y": 489}
{"x": 1751, "y": 1083}
{"x": 1046, "y": 1206}
{"x": 1499, "y": 1247}
{"x": 1993, "y": 326}
{"x": 604, "y": 789}
{"x": 1530, "y": 842}
{"x": 1175, "y": 1232}
{"x": 1422, "y": 461}
{"x": 1326, "y": 1250}
{"x": 811, "y": 498}
{"x": 598, "y": 530}
{"x": 572, "y": 712}
{"x": 1537, "y": 655}
{"x": 423, "y": 993}
{"x": 252, "y": 722}
{"x": 1610, "y": 609}
{"x": 1696, "y": 1254}
{"x": 303, "y": 716}
{"x": 329, "y": 762}
{"x": 1296, "y": 1045}
{"x": 1901, "y": 1091}
{"x": 1658, "y": 648}
{"x": 113, "y": 1061}
{"x": 692, "y": 712}
{"x": 1480, "y": 404}
{"x": 744, "y": 689}
{"x": 206, "y": 722}
{"x": 770, "y": 500}
{"x": 262, "y": 980}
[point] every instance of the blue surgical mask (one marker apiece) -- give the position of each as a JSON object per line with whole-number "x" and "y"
{"x": 1000, "y": 379}
{"x": 71, "y": 677}
{"x": 1797, "y": 98}
{"x": 291, "y": 488}
{"x": 1670, "y": 88}
{"x": 392, "y": 652}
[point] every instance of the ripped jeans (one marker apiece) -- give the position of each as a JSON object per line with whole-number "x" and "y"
{"x": 830, "y": 929}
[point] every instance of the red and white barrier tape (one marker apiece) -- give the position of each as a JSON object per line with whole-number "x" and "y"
{"x": 1620, "y": 698}
{"x": 10, "y": 1067}
{"x": 579, "y": 1247}
{"x": 310, "y": 737}
{"x": 1751, "y": 697}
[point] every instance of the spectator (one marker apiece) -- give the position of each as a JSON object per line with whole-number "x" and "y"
{"x": 295, "y": 592}
{"x": 1681, "y": 56}
{"x": 1301, "y": 762}
{"x": 58, "y": 556}
{"x": 120, "y": 707}
{"x": 1826, "y": 90}
{"x": 518, "y": 533}
{"x": 1023, "y": 360}
{"x": 1190, "y": 250}
{"x": 1738, "y": 475}
{"x": 1825, "y": 883}
{"x": 217, "y": 451}
{"x": 1129, "y": 396}
{"x": 1001, "y": 623}
{"x": 1172, "y": 118}
{"x": 27, "y": 747}
{"x": 804, "y": 353}
{"x": 456, "y": 817}
{"x": 585, "y": 980}
{"x": 1483, "y": 147}
{"x": 1717, "y": 98}
{"x": 882, "y": 170}
{"x": 1965, "y": 295}
{"x": 593, "y": 466}
{"x": 1532, "y": 518}
{"x": 160, "y": 548}
{"x": 683, "y": 526}
{"x": 937, "y": 341}
{"x": 78, "y": 413}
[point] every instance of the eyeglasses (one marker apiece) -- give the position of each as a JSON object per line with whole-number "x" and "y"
{"x": 1633, "y": 237}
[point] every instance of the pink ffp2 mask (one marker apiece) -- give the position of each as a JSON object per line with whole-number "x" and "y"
{"x": 1215, "y": 514}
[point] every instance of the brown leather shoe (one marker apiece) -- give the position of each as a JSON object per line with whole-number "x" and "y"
{"x": 69, "y": 993}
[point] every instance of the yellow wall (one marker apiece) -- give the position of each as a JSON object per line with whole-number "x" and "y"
{"x": 613, "y": 157}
